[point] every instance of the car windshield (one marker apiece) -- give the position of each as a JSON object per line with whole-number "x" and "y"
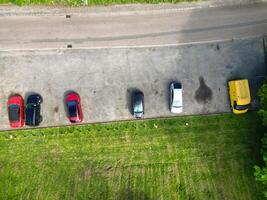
{"x": 72, "y": 107}
{"x": 241, "y": 107}
{"x": 13, "y": 112}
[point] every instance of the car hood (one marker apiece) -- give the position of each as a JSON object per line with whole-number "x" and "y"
{"x": 138, "y": 115}
{"x": 75, "y": 119}
{"x": 15, "y": 124}
{"x": 177, "y": 110}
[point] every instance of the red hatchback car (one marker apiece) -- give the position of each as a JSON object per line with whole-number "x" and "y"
{"x": 74, "y": 108}
{"x": 16, "y": 111}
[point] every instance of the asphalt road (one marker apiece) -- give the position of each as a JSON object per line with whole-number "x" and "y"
{"x": 128, "y": 28}
{"x": 104, "y": 78}
{"x": 34, "y": 58}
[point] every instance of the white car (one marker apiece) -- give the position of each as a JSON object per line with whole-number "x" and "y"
{"x": 176, "y": 98}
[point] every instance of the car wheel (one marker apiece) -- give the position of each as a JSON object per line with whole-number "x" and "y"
{"x": 40, "y": 100}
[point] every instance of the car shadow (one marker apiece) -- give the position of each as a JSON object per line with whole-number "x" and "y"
{"x": 27, "y": 94}
{"x": 13, "y": 94}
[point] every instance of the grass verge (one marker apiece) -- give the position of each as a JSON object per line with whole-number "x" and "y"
{"x": 210, "y": 158}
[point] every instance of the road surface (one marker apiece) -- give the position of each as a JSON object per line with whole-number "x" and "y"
{"x": 122, "y": 28}
{"x": 34, "y": 58}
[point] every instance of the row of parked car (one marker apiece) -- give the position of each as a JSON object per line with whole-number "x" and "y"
{"x": 30, "y": 114}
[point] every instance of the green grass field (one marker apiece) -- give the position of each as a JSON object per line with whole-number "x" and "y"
{"x": 89, "y": 2}
{"x": 210, "y": 158}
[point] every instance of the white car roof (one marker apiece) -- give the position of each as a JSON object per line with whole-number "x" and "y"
{"x": 177, "y": 98}
{"x": 177, "y": 94}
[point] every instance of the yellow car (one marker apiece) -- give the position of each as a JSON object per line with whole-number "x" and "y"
{"x": 239, "y": 93}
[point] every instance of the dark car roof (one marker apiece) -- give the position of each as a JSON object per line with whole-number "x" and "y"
{"x": 13, "y": 112}
{"x": 138, "y": 102}
{"x": 33, "y": 116}
{"x": 138, "y": 96}
{"x": 73, "y": 109}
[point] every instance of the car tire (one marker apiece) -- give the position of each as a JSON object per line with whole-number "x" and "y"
{"x": 40, "y": 99}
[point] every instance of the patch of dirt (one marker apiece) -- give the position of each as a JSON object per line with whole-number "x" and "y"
{"x": 87, "y": 174}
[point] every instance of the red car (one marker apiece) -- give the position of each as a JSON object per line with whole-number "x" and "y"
{"x": 74, "y": 108}
{"x": 16, "y": 111}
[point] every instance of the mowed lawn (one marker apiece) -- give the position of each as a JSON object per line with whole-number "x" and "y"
{"x": 187, "y": 158}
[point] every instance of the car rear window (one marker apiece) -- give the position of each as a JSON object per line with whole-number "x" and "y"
{"x": 14, "y": 112}
{"x": 138, "y": 108}
{"x": 241, "y": 107}
{"x": 177, "y": 85}
{"x": 177, "y": 104}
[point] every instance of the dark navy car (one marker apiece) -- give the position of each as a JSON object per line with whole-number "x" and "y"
{"x": 138, "y": 104}
{"x": 33, "y": 110}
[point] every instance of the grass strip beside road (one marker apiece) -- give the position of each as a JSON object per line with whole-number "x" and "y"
{"x": 210, "y": 158}
{"x": 89, "y": 2}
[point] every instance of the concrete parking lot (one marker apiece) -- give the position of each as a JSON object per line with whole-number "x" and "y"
{"x": 104, "y": 78}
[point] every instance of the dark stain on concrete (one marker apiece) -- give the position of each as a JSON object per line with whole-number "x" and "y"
{"x": 56, "y": 109}
{"x": 203, "y": 94}
{"x": 218, "y": 47}
{"x": 229, "y": 66}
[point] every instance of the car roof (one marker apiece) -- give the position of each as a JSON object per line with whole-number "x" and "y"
{"x": 138, "y": 96}
{"x": 177, "y": 94}
{"x": 72, "y": 108}
{"x": 32, "y": 112}
{"x": 13, "y": 112}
